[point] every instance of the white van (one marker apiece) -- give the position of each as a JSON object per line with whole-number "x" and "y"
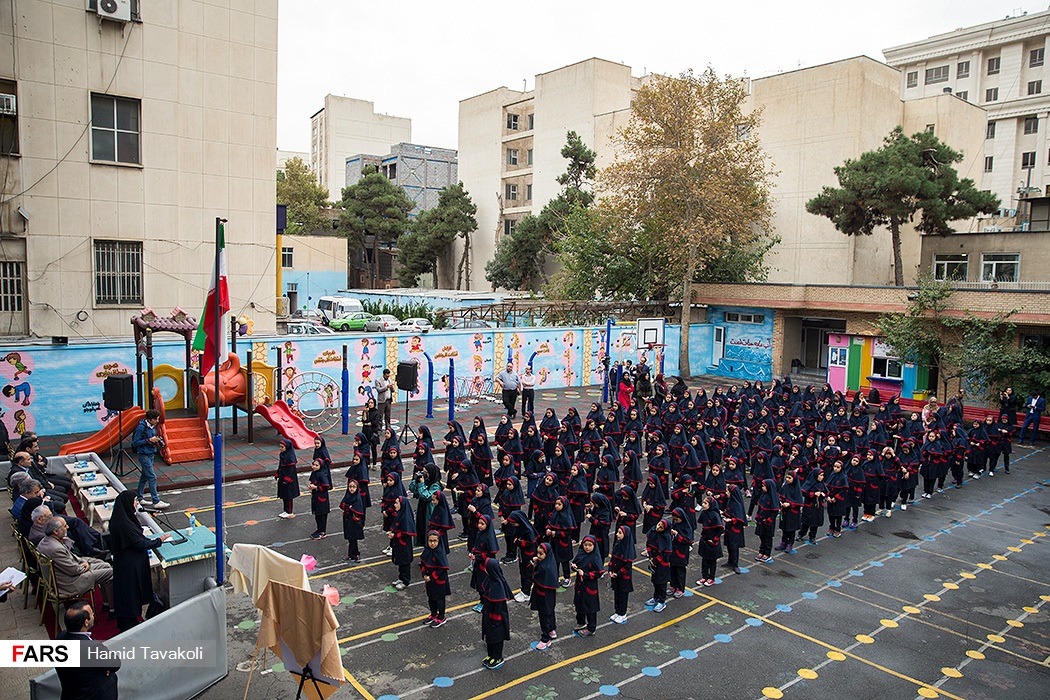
{"x": 332, "y": 308}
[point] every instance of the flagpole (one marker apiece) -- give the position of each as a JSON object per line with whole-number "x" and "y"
{"x": 220, "y": 550}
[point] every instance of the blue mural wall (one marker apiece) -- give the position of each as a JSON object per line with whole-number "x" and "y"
{"x": 748, "y": 346}
{"x": 311, "y": 285}
{"x": 58, "y": 389}
{"x": 433, "y": 301}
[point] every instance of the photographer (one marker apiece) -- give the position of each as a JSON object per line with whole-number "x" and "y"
{"x": 146, "y": 442}
{"x": 1008, "y": 405}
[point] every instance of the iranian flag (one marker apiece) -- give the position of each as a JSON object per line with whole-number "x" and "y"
{"x": 210, "y": 327}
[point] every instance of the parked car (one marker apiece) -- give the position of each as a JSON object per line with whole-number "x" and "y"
{"x": 308, "y": 328}
{"x": 415, "y": 325}
{"x": 383, "y": 323}
{"x": 351, "y": 322}
{"x": 308, "y": 314}
{"x": 471, "y": 323}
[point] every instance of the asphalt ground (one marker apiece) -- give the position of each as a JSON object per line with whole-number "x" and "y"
{"x": 948, "y": 599}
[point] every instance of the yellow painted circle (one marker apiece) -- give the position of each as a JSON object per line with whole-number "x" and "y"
{"x": 807, "y": 673}
{"x": 952, "y": 586}
{"x": 973, "y": 654}
{"x": 771, "y": 692}
{"x": 1014, "y": 549}
{"x": 996, "y": 638}
{"x": 836, "y": 656}
{"x": 1039, "y": 534}
{"x": 951, "y": 672}
{"x": 889, "y": 624}
{"x": 931, "y": 597}
{"x": 998, "y": 557}
{"x": 982, "y": 565}
{"x": 1045, "y": 598}
{"x": 928, "y": 693}
{"x": 1030, "y": 609}
{"x": 911, "y": 610}
{"x": 968, "y": 575}
{"x": 1015, "y": 623}
{"x": 1028, "y": 541}
{"x": 864, "y": 639}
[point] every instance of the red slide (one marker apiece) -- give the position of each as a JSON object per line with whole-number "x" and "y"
{"x": 108, "y": 436}
{"x": 288, "y": 424}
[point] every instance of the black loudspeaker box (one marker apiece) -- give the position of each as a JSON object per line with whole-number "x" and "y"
{"x": 407, "y": 376}
{"x": 118, "y": 392}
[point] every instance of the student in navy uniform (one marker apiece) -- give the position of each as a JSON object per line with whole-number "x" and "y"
{"x": 735, "y": 521}
{"x": 711, "y": 527}
{"x": 433, "y": 564}
{"x": 287, "y": 478}
{"x": 402, "y": 532}
{"x": 658, "y": 549}
{"x": 495, "y": 617}
{"x": 560, "y": 529}
{"x": 526, "y": 541}
{"x": 681, "y": 546}
{"x": 320, "y": 485}
{"x": 588, "y": 567}
{"x": 766, "y": 519}
{"x": 791, "y": 503}
{"x": 544, "y": 596}
{"x": 621, "y": 566}
{"x": 353, "y": 508}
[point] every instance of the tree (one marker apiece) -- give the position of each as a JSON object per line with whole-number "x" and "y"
{"x": 521, "y": 254}
{"x": 298, "y": 189}
{"x": 373, "y": 207}
{"x": 431, "y": 235}
{"x": 691, "y": 173}
{"x": 888, "y": 187}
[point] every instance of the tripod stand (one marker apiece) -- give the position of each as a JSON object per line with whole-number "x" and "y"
{"x": 118, "y": 458}
{"x": 407, "y": 434}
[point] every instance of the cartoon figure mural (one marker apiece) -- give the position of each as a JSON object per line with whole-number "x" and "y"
{"x": 366, "y": 348}
{"x": 21, "y": 392}
{"x": 15, "y": 360}
{"x": 364, "y": 371}
{"x": 478, "y": 342}
{"x": 544, "y": 374}
{"x": 291, "y": 352}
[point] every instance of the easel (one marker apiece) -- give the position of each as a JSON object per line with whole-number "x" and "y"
{"x": 307, "y": 673}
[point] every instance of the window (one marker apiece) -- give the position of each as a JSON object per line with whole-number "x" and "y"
{"x": 508, "y": 227}
{"x": 732, "y": 317}
{"x": 512, "y": 122}
{"x": 913, "y": 78}
{"x": 930, "y": 128}
{"x": 993, "y": 65}
{"x": 991, "y": 94}
{"x": 11, "y": 287}
{"x": 1000, "y": 267}
{"x": 1031, "y": 125}
{"x": 962, "y": 69}
{"x": 950, "y": 266}
{"x": 1035, "y": 57}
{"x": 532, "y": 121}
{"x": 286, "y": 257}
{"x": 989, "y": 161}
{"x": 1035, "y": 87}
{"x": 528, "y": 192}
{"x": 118, "y": 272}
{"x": 963, "y": 95}
{"x": 512, "y": 156}
{"x": 8, "y": 117}
{"x": 529, "y": 156}
{"x": 887, "y": 368}
{"x": 1027, "y": 160}
{"x": 936, "y": 75}
{"x": 512, "y": 193}
{"x": 989, "y": 130}
{"x": 114, "y": 129}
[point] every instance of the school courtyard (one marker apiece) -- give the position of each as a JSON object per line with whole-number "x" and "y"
{"x": 949, "y": 599}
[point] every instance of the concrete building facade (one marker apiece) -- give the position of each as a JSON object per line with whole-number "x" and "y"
{"x": 124, "y": 139}
{"x": 421, "y": 171}
{"x": 285, "y": 156}
{"x": 344, "y": 127}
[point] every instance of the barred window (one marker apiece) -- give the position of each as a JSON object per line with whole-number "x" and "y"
{"x": 11, "y": 287}
{"x": 118, "y": 272}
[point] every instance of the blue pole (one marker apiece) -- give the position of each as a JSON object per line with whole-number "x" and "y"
{"x": 346, "y": 395}
{"x": 451, "y": 389}
{"x": 220, "y": 550}
{"x": 608, "y": 348}
{"x": 532, "y": 357}
{"x": 430, "y": 386}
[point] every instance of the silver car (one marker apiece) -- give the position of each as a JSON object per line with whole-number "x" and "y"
{"x": 415, "y": 325}
{"x": 383, "y": 323}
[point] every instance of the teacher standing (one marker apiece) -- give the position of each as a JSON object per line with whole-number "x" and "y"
{"x": 509, "y": 382}
{"x": 132, "y": 586}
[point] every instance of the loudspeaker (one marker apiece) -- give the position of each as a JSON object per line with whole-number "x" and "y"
{"x": 407, "y": 376}
{"x": 118, "y": 392}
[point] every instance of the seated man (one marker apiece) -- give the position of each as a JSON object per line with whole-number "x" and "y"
{"x": 30, "y": 444}
{"x": 74, "y": 575}
{"x": 97, "y": 681}
{"x": 59, "y": 494}
{"x": 87, "y": 540}
{"x": 14, "y": 481}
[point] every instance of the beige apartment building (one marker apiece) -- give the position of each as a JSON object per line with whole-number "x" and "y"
{"x": 127, "y": 128}
{"x": 344, "y": 127}
{"x": 813, "y": 120}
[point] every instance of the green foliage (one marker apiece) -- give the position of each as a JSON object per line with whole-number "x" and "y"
{"x": 519, "y": 256}
{"x": 416, "y": 309}
{"x": 432, "y": 233}
{"x": 298, "y": 189}
{"x": 889, "y": 186}
{"x": 375, "y": 207}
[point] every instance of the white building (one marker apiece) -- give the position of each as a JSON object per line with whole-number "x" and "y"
{"x": 127, "y": 131}
{"x": 285, "y": 156}
{"x": 346, "y": 127}
{"x": 1000, "y": 65}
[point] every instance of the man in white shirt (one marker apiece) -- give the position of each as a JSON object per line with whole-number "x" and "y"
{"x": 528, "y": 390}
{"x": 384, "y": 396}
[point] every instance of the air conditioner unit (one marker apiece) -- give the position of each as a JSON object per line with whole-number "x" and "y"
{"x": 117, "y": 10}
{"x": 8, "y": 104}
{"x": 992, "y": 229}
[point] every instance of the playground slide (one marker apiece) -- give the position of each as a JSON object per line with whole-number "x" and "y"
{"x": 108, "y": 436}
{"x": 288, "y": 424}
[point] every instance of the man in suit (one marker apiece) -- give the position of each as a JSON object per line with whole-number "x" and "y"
{"x": 86, "y": 539}
{"x": 74, "y": 575}
{"x": 23, "y": 462}
{"x": 87, "y": 683}
{"x": 1034, "y": 406}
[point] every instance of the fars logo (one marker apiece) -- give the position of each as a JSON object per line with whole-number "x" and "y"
{"x": 49, "y": 654}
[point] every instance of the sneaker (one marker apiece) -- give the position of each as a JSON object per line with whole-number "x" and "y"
{"x": 660, "y": 607}
{"x": 388, "y": 551}
{"x": 160, "y": 505}
{"x": 1008, "y": 470}
{"x": 400, "y": 585}
{"x": 940, "y": 490}
{"x": 477, "y": 608}
{"x": 768, "y": 560}
{"x": 542, "y": 646}
{"x": 317, "y": 536}
{"x": 812, "y": 542}
{"x": 521, "y": 597}
{"x": 554, "y": 634}
{"x": 508, "y": 560}
{"x": 486, "y": 661}
{"x": 438, "y": 621}
{"x": 904, "y": 506}
{"x": 780, "y": 547}
{"x": 282, "y": 515}
{"x": 991, "y": 474}
{"x": 494, "y": 664}
{"x": 975, "y": 477}
{"x": 679, "y": 594}
{"x": 621, "y": 619}
{"x": 736, "y": 570}
{"x": 426, "y": 622}
{"x": 760, "y": 557}
{"x": 461, "y": 536}
{"x": 650, "y": 603}
{"x": 566, "y": 583}
{"x": 583, "y": 633}
{"x": 888, "y": 513}
{"x": 577, "y": 628}
{"x": 790, "y": 550}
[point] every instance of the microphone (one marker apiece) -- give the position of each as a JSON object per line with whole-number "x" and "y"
{"x": 177, "y": 537}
